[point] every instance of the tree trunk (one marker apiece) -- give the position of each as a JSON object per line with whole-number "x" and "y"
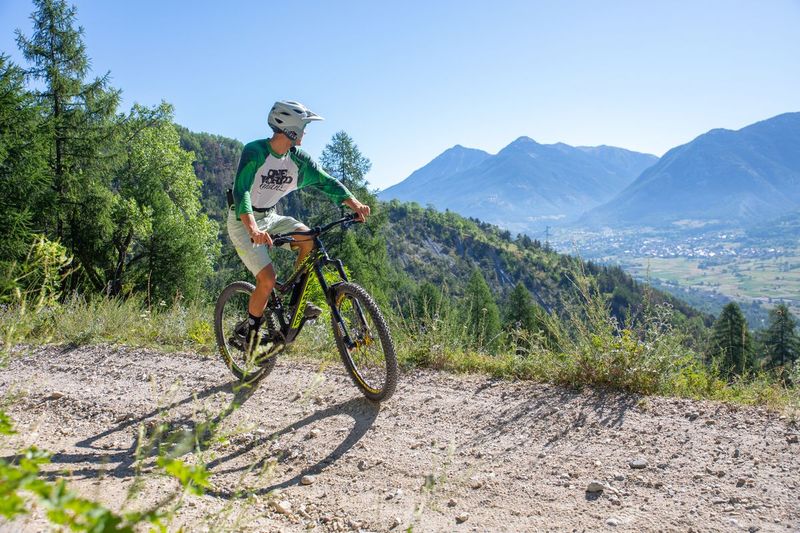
{"x": 116, "y": 283}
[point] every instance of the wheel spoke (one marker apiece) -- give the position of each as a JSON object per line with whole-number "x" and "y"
{"x": 230, "y": 324}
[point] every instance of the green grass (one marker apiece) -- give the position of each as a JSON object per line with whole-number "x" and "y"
{"x": 586, "y": 348}
{"x": 78, "y": 321}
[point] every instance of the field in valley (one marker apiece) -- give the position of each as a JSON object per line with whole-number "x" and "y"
{"x": 760, "y": 279}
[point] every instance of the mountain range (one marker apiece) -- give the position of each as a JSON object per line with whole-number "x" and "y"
{"x": 727, "y": 177}
{"x": 523, "y": 183}
{"x": 723, "y": 176}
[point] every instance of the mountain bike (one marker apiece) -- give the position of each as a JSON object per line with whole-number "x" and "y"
{"x": 359, "y": 329}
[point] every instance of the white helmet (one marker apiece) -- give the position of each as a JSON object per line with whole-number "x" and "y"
{"x": 290, "y": 118}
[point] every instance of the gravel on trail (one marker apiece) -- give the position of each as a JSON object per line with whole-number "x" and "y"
{"x": 304, "y": 451}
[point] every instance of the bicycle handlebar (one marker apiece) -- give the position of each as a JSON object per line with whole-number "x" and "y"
{"x": 280, "y": 239}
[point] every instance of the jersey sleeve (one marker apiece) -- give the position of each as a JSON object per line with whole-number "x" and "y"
{"x": 310, "y": 174}
{"x": 245, "y": 175}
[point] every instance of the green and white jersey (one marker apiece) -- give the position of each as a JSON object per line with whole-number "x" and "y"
{"x": 264, "y": 177}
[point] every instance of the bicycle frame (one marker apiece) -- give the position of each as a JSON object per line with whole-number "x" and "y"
{"x": 315, "y": 262}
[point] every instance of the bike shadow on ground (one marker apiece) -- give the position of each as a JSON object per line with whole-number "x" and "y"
{"x": 164, "y": 434}
{"x": 175, "y": 436}
{"x": 362, "y": 411}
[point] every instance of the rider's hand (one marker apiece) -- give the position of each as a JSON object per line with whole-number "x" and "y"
{"x": 261, "y": 237}
{"x": 362, "y": 210}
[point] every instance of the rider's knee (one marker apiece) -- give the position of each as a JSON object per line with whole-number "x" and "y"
{"x": 266, "y": 277}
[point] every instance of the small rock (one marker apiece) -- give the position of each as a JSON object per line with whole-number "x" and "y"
{"x": 792, "y": 439}
{"x": 451, "y": 502}
{"x": 710, "y": 422}
{"x": 396, "y": 495}
{"x": 741, "y": 482}
{"x": 362, "y": 465}
{"x": 314, "y": 433}
{"x": 595, "y": 486}
{"x": 463, "y": 517}
{"x": 307, "y": 480}
{"x": 395, "y": 522}
{"x": 638, "y": 464}
{"x": 692, "y": 416}
{"x": 475, "y": 483}
{"x": 54, "y": 396}
{"x": 736, "y": 453}
{"x": 283, "y": 507}
{"x": 613, "y": 522}
{"x": 619, "y": 476}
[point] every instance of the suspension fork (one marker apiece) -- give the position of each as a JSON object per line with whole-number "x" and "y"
{"x": 329, "y": 291}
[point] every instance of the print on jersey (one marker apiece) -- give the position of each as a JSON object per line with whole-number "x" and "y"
{"x": 276, "y": 179}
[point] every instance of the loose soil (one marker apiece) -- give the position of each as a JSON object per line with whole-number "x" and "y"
{"x": 446, "y": 453}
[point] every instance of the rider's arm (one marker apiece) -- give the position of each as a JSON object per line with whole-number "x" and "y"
{"x": 257, "y": 236}
{"x": 312, "y": 175}
{"x": 363, "y": 210}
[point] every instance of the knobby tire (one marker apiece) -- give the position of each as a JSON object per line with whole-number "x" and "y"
{"x": 229, "y": 353}
{"x": 375, "y": 374}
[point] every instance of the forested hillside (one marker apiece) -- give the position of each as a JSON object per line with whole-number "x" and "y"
{"x": 444, "y": 248}
{"x": 215, "y": 160}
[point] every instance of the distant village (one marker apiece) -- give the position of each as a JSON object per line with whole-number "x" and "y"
{"x": 726, "y": 245}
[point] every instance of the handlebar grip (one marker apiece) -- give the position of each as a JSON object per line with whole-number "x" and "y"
{"x": 280, "y": 241}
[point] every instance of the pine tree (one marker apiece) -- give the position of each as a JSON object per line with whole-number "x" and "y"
{"x": 77, "y": 125}
{"x": 23, "y": 164}
{"x": 344, "y": 161}
{"x": 520, "y": 311}
{"x": 429, "y": 302}
{"x": 482, "y": 314}
{"x": 780, "y": 339}
{"x": 731, "y": 342}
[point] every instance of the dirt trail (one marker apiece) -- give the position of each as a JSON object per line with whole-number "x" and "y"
{"x": 447, "y": 453}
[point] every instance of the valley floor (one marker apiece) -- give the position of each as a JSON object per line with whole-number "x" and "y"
{"x": 446, "y": 453}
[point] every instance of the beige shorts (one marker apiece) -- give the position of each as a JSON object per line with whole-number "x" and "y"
{"x": 256, "y": 258}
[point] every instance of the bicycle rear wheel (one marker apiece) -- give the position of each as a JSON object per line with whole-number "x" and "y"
{"x": 364, "y": 342}
{"x": 230, "y": 327}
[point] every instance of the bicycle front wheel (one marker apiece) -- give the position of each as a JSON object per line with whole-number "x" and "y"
{"x": 230, "y": 327}
{"x": 364, "y": 342}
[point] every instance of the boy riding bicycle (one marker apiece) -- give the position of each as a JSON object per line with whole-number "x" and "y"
{"x": 269, "y": 169}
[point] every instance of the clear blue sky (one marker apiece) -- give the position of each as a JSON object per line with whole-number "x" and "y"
{"x": 410, "y": 79}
